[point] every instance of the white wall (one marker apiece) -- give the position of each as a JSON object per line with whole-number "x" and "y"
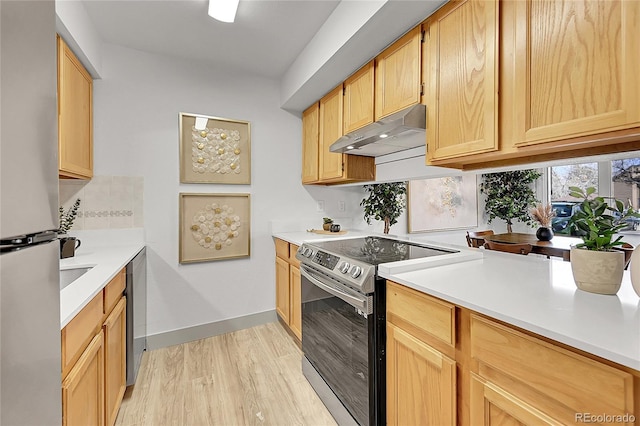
{"x": 75, "y": 27}
{"x": 136, "y": 106}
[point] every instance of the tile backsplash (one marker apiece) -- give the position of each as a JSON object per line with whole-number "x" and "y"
{"x": 106, "y": 201}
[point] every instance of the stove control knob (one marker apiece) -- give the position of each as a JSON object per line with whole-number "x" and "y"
{"x": 344, "y": 267}
{"x": 307, "y": 252}
{"x": 356, "y": 271}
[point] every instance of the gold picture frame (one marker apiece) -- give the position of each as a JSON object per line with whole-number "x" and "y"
{"x": 214, "y": 150}
{"x": 214, "y": 227}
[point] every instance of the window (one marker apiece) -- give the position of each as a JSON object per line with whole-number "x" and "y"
{"x": 625, "y": 178}
{"x": 562, "y": 177}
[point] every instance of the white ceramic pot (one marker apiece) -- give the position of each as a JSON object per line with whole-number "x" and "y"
{"x": 597, "y": 271}
{"x": 634, "y": 268}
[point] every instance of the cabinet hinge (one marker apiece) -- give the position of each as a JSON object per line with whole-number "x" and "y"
{"x": 344, "y": 91}
{"x": 422, "y": 36}
{"x": 422, "y": 89}
{"x": 343, "y": 167}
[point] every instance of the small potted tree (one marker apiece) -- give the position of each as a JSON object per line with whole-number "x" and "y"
{"x": 597, "y": 267}
{"x": 385, "y": 202}
{"x": 509, "y": 196}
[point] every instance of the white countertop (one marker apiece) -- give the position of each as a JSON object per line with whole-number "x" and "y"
{"x": 106, "y": 258}
{"x": 538, "y": 295}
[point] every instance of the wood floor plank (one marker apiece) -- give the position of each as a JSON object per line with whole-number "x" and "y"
{"x": 249, "y": 377}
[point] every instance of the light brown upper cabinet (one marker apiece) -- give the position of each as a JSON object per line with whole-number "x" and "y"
{"x": 397, "y": 75}
{"x": 462, "y": 97}
{"x": 575, "y": 68}
{"x": 75, "y": 116}
{"x": 567, "y": 79}
{"x": 330, "y": 131}
{"x": 310, "y": 153}
{"x": 333, "y": 167}
{"x": 358, "y": 99}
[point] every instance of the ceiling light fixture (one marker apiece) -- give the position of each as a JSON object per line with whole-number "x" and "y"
{"x": 223, "y": 10}
{"x": 384, "y": 135}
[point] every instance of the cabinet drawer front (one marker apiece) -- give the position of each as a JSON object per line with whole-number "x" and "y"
{"x": 113, "y": 291}
{"x": 282, "y": 249}
{"x": 293, "y": 249}
{"x": 578, "y": 383}
{"x": 78, "y": 333}
{"x": 419, "y": 311}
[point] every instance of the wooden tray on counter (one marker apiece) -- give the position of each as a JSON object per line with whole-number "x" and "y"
{"x": 323, "y": 232}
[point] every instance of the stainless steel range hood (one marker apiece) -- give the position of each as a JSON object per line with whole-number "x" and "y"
{"x": 403, "y": 130}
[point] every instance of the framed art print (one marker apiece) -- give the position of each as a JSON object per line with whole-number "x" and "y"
{"x": 214, "y": 150}
{"x": 443, "y": 203}
{"x": 214, "y": 227}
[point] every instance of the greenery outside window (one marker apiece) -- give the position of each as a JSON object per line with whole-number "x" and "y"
{"x": 581, "y": 175}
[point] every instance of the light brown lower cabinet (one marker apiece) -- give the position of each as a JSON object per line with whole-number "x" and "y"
{"x": 115, "y": 360}
{"x": 94, "y": 373}
{"x": 295, "y": 306}
{"x": 492, "y": 373}
{"x": 288, "y": 301}
{"x": 82, "y": 389}
{"x": 421, "y": 382}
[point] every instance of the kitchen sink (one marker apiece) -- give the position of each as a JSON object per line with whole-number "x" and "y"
{"x": 67, "y": 276}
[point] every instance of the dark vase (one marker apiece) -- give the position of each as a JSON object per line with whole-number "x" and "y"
{"x": 544, "y": 234}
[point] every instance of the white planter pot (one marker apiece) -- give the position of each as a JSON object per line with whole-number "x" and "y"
{"x": 597, "y": 271}
{"x": 634, "y": 267}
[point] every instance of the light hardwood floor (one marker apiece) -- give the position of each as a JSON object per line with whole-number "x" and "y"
{"x": 249, "y": 377}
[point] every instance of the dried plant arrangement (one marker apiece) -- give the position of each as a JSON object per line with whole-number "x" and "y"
{"x": 543, "y": 214}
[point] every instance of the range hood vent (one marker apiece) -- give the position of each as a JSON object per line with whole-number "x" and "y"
{"x": 397, "y": 132}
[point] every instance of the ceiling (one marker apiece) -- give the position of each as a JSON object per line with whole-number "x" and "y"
{"x": 265, "y": 39}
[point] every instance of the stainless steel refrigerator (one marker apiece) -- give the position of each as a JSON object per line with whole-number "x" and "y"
{"x": 29, "y": 253}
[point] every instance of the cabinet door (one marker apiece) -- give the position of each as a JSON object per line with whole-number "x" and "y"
{"x": 115, "y": 353}
{"x": 491, "y": 405}
{"x": 75, "y": 115}
{"x": 576, "y": 68}
{"x": 82, "y": 390}
{"x": 358, "y": 99}
{"x": 282, "y": 289}
{"x": 331, "y": 163}
{"x": 463, "y": 88}
{"x": 398, "y": 75}
{"x": 295, "y": 307}
{"x": 310, "y": 134}
{"x": 421, "y": 382}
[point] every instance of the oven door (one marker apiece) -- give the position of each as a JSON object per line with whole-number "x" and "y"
{"x": 337, "y": 339}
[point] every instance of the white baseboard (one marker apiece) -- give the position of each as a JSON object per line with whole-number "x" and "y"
{"x": 177, "y": 337}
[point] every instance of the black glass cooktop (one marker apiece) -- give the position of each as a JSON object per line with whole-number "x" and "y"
{"x": 377, "y": 250}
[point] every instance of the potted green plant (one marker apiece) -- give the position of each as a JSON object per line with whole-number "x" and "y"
{"x": 67, "y": 218}
{"x": 68, "y": 245}
{"x": 326, "y": 223}
{"x": 385, "y": 202}
{"x": 509, "y": 195}
{"x": 596, "y": 264}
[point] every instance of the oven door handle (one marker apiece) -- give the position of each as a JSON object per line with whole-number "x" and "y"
{"x": 361, "y": 303}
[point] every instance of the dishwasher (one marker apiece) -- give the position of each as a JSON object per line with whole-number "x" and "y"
{"x": 136, "y": 293}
